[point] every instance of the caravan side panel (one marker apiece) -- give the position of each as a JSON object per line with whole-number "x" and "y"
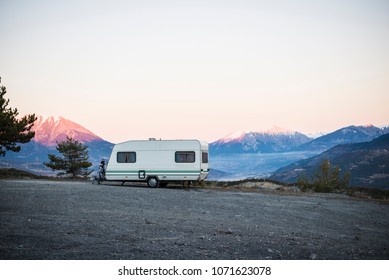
{"x": 172, "y": 160}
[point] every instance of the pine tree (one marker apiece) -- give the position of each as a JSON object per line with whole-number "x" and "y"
{"x": 326, "y": 179}
{"x": 13, "y": 130}
{"x": 74, "y": 160}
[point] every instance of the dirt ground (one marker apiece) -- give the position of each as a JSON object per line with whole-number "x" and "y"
{"x": 78, "y": 220}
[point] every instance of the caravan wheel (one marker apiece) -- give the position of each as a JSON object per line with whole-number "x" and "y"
{"x": 152, "y": 182}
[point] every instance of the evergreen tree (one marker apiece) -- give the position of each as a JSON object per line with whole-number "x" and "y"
{"x": 326, "y": 179}
{"x": 74, "y": 160}
{"x": 13, "y": 130}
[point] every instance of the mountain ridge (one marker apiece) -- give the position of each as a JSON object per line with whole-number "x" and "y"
{"x": 344, "y": 135}
{"x": 271, "y": 140}
{"x": 368, "y": 163}
{"x": 275, "y": 130}
{"x": 277, "y": 140}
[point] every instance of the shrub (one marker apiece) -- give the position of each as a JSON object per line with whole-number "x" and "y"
{"x": 326, "y": 179}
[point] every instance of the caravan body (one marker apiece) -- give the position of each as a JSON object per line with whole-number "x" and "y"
{"x": 158, "y": 161}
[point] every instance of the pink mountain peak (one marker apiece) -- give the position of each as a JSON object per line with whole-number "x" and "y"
{"x": 277, "y": 130}
{"x": 240, "y": 134}
{"x": 237, "y": 135}
{"x": 50, "y": 130}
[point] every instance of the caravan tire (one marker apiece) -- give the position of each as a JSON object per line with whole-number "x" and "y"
{"x": 152, "y": 182}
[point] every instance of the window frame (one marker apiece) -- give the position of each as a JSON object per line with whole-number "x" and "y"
{"x": 129, "y": 159}
{"x": 186, "y": 154}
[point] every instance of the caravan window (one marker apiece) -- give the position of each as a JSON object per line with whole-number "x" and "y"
{"x": 205, "y": 157}
{"x": 185, "y": 157}
{"x": 126, "y": 157}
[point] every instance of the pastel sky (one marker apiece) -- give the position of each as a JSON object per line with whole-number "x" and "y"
{"x": 197, "y": 69}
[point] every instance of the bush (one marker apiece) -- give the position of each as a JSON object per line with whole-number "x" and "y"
{"x": 326, "y": 179}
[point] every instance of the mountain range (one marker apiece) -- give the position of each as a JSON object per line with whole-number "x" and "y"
{"x": 274, "y": 140}
{"x": 285, "y": 144}
{"x": 349, "y": 134}
{"x": 277, "y": 140}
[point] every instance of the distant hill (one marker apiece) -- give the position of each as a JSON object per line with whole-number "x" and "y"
{"x": 49, "y": 131}
{"x": 13, "y": 173}
{"x": 349, "y": 134}
{"x": 368, "y": 163}
{"x": 270, "y": 141}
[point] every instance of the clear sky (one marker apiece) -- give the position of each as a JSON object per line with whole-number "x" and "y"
{"x": 197, "y": 69}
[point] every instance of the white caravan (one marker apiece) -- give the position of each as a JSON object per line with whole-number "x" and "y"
{"x": 158, "y": 161}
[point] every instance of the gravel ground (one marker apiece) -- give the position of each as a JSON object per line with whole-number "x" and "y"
{"x": 78, "y": 220}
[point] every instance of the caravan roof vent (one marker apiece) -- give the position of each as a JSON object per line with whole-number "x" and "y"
{"x": 152, "y": 139}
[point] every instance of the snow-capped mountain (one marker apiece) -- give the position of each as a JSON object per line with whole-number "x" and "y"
{"x": 240, "y": 134}
{"x": 271, "y": 140}
{"x": 50, "y": 130}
